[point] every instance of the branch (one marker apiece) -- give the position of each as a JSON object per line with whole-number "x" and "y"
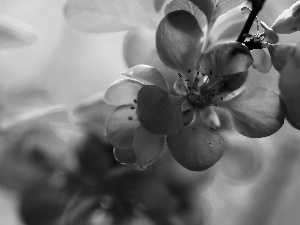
{"x": 256, "y": 7}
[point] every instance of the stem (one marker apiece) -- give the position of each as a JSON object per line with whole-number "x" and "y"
{"x": 256, "y": 7}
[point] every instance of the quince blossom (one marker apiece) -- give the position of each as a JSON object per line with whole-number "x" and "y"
{"x": 148, "y": 114}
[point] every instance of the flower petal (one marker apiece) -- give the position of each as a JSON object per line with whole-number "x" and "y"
{"x": 224, "y": 60}
{"x": 289, "y": 84}
{"x": 138, "y": 44}
{"x": 262, "y": 61}
{"x": 158, "y": 111}
{"x": 270, "y": 35}
{"x": 147, "y": 75}
{"x": 122, "y": 92}
{"x": 228, "y": 32}
{"x": 124, "y": 156}
{"x": 147, "y": 147}
{"x": 178, "y": 40}
{"x": 280, "y": 54}
{"x": 120, "y": 127}
{"x": 289, "y": 21}
{"x": 196, "y": 147}
{"x": 256, "y": 112}
{"x": 139, "y": 48}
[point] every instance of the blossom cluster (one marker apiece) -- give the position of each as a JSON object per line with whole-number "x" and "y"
{"x": 186, "y": 116}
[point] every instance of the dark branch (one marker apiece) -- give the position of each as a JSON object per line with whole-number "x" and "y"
{"x": 256, "y": 7}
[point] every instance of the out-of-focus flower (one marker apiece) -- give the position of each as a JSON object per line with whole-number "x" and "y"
{"x": 163, "y": 194}
{"x": 188, "y": 118}
{"x": 32, "y": 148}
{"x": 14, "y": 33}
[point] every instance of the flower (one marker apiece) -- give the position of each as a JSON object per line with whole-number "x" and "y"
{"x": 123, "y": 128}
{"x": 187, "y": 120}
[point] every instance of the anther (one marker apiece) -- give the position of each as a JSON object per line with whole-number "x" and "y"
{"x": 189, "y": 70}
{"x": 179, "y": 74}
{"x": 132, "y": 107}
{"x": 130, "y": 118}
{"x": 135, "y": 101}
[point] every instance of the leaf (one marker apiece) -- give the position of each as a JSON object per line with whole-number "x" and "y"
{"x": 14, "y": 33}
{"x": 224, "y": 6}
{"x": 214, "y": 8}
{"x": 188, "y": 6}
{"x": 231, "y": 31}
{"x": 100, "y": 16}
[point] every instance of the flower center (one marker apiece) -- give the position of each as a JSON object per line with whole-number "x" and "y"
{"x": 194, "y": 93}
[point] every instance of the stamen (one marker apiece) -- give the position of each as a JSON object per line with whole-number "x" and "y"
{"x": 180, "y": 78}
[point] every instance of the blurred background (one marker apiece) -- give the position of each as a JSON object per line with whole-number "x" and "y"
{"x": 256, "y": 182}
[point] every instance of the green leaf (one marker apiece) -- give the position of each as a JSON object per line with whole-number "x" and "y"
{"x": 100, "y": 16}
{"x": 256, "y": 112}
{"x": 196, "y": 147}
{"x": 214, "y": 8}
{"x": 207, "y": 7}
{"x": 158, "y": 111}
{"x": 231, "y": 31}
{"x": 224, "y": 6}
{"x": 14, "y": 33}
